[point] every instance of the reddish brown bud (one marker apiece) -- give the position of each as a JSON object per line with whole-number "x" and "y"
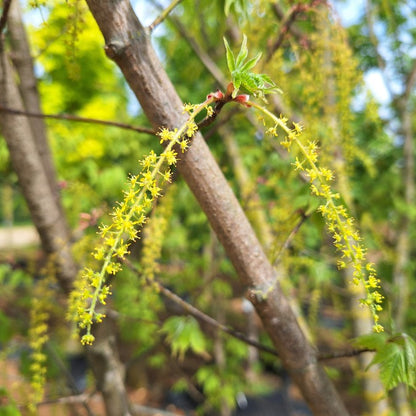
{"x": 243, "y": 99}
{"x": 230, "y": 89}
{"x": 218, "y": 95}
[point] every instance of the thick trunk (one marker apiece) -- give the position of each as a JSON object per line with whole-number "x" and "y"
{"x": 33, "y": 180}
{"x": 23, "y": 63}
{"x": 128, "y": 44}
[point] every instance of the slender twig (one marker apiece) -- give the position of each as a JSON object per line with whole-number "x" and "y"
{"x": 163, "y": 15}
{"x": 73, "y": 399}
{"x": 78, "y": 119}
{"x": 290, "y": 238}
{"x": 71, "y": 382}
{"x": 201, "y": 316}
{"x": 3, "y": 18}
{"x": 296, "y": 32}
{"x": 225, "y": 119}
{"x": 217, "y": 109}
{"x": 343, "y": 354}
{"x": 203, "y": 56}
{"x": 288, "y": 21}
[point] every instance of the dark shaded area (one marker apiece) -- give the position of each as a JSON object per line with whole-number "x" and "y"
{"x": 277, "y": 403}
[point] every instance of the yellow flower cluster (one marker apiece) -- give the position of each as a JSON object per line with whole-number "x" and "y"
{"x": 339, "y": 223}
{"x": 153, "y": 237}
{"x": 42, "y": 301}
{"x": 91, "y": 289}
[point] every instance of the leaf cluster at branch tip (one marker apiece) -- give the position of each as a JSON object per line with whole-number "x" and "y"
{"x": 242, "y": 77}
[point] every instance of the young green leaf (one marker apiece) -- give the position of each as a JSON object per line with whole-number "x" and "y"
{"x": 230, "y": 57}
{"x": 256, "y": 84}
{"x": 242, "y": 55}
{"x": 251, "y": 63}
{"x": 397, "y": 361}
{"x": 237, "y": 79}
{"x": 227, "y": 6}
{"x": 239, "y": 8}
{"x": 392, "y": 365}
{"x": 183, "y": 334}
{"x": 372, "y": 341}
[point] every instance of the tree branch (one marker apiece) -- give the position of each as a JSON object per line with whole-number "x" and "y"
{"x": 74, "y": 399}
{"x": 222, "y": 122}
{"x": 3, "y": 18}
{"x": 342, "y": 354}
{"x": 290, "y": 237}
{"x": 288, "y": 21}
{"x": 201, "y": 316}
{"x": 217, "y": 109}
{"x": 163, "y": 15}
{"x": 203, "y": 56}
{"x": 78, "y": 119}
{"x": 71, "y": 382}
{"x": 21, "y": 57}
{"x": 297, "y": 33}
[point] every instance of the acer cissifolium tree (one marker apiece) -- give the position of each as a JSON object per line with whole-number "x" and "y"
{"x": 177, "y": 127}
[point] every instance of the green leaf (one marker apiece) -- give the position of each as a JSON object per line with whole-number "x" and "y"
{"x": 371, "y": 341}
{"x": 397, "y": 361}
{"x": 410, "y": 352}
{"x": 7, "y": 406}
{"x": 230, "y": 57}
{"x": 242, "y": 55}
{"x": 392, "y": 367}
{"x": 6, "y": 328}
{"x": 257, "y": 84}
{"x": 209, "y": 379}
{"x": 249, "y": 82}
{"x": 9, "y": 410}
{"x": 251, "y": 63}
{"x": 183, "y": 333}
{"x": 227, "y": 6}
{"x": 237, "y": 79}
{"x": 240, "y": 8}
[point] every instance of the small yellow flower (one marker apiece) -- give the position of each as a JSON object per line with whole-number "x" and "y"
{"x": 87, "y": 339}
{"x": 188, "y": 108}
{"x": 170, "y": 157}
{"x": 192, "y": 129}
{"x": 298, "y": 164}
{"x": 184, "y": 145}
